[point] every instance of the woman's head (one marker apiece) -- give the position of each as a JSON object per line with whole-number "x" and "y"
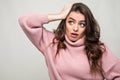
{"x": 78, "y": 23}
{"x": 81, "y": 22}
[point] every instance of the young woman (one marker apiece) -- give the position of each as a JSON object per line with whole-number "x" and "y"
{"x": 73, "y": 51}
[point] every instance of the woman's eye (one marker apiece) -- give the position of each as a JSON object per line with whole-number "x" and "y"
{"x": 82, "y": 24}
{"x": 70, "y": 22}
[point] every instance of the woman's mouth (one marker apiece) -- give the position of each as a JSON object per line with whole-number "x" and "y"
{"x": 74, "y": 35}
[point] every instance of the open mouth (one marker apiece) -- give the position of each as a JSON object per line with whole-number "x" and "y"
{"x": 74, "y": 35}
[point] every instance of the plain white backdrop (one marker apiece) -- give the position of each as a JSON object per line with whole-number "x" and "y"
{"x": 20, "y": 60}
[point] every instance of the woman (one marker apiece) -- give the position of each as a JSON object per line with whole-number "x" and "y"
{"x": 73, "y": 51}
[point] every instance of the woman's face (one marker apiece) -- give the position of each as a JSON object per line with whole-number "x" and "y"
{"x": 75, "y": 26}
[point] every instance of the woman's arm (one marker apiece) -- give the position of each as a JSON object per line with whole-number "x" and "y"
{"x": 32, "y": 25}
{"x": 111, "y": 65}
{"x": 114, "y": 72}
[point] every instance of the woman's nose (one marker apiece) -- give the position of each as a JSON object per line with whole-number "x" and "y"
{"x": 75, "y": 28}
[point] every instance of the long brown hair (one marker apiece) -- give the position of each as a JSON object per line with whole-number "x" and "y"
{"x": 93, "y": 47}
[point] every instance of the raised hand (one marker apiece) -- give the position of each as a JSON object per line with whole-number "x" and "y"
{"x": 62, "y": 14}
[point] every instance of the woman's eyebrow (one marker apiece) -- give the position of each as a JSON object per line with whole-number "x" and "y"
{"x": 71, "y": 18}
{"x": 82, "y": 20}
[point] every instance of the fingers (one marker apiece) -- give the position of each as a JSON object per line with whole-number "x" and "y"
{"x": 66, "y": 9}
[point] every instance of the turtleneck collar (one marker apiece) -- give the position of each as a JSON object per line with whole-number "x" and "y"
{"x": 77, "y": 43}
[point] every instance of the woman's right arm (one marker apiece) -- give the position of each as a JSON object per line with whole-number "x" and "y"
{"x": 32, "y": 25}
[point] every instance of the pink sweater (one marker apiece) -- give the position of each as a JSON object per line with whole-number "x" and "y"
{"x": 71, "y": 63}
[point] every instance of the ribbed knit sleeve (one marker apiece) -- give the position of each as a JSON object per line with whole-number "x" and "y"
{"x": 32, "y": 25}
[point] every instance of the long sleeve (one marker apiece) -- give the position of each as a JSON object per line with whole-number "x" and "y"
{"x": 111, "y": 66}
{"x": 114, "y": 72}
{"x": 32, "y": 25}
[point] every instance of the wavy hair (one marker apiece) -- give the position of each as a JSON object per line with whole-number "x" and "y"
{"x": 93, "y": 46}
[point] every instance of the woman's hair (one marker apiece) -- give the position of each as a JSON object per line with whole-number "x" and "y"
{"x": 93, "y": 47}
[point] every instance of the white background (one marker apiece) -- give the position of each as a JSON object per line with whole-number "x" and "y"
{"x": 20, "y": 60}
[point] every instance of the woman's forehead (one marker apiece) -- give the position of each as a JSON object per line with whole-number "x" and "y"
{"x": 76, "y": 16}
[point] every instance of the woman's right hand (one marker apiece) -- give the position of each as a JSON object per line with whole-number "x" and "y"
{"x": 62, "y": 14}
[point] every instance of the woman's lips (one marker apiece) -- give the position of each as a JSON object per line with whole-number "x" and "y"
{"x": 74, "y": 35}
